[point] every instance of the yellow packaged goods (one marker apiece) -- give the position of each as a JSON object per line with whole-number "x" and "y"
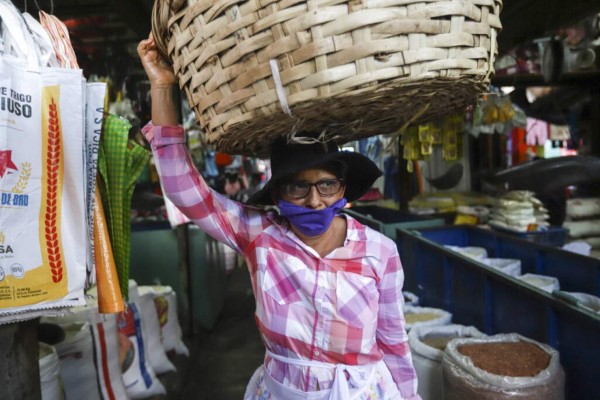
{"x": 42, "y": 209}
{"x": 252, "y": 70}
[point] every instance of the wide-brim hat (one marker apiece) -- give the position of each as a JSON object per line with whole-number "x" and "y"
{"x": 287, "y": 159}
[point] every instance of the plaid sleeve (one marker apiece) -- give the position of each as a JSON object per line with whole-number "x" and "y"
{"x": 391, "y": 333}
{"x": 222, "y": 218}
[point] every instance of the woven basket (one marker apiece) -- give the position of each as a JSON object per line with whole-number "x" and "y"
{"x": 254, "y": 70}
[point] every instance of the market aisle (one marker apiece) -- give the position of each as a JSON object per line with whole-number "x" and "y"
{"x": 224, "y": 359}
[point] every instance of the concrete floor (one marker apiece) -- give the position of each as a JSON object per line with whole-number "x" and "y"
{"x": 223, "y": 360}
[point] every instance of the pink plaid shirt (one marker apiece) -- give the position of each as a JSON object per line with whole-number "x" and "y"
{"x": 345, "y": 307}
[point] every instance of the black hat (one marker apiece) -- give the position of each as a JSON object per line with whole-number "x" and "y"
{"x": 289, "y": 159}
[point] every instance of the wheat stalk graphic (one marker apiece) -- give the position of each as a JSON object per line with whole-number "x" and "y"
{"x": 52, "y": 168}
{"x": 2, "y": 238}
{"x": 23, "y": 178}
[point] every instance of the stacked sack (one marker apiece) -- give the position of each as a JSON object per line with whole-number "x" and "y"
{"x": 519, "y": 211}
{"x": 112, "y": 356}
{"x": 583, "y": 222}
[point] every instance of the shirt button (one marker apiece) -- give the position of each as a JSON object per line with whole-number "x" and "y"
{"x": 317, "y": 353}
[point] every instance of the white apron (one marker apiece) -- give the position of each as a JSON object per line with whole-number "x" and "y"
{"x": 360, "y": 378}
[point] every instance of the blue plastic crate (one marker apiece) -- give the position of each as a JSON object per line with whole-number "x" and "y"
{"x": 387, "y": 220}
{"x": 495, "y": 302}
{"x": 552, "y": 236}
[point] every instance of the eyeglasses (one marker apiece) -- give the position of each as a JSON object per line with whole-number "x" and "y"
{"x": 298, "y": 190}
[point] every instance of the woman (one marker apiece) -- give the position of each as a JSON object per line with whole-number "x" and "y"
{"x": 328, "y": 289}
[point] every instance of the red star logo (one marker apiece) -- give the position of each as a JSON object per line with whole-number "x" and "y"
{"x": 6, "y": 162}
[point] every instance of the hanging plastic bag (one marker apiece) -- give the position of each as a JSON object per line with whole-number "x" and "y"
{"x": 42, "y": 206}
{"x": 94, "y": 115}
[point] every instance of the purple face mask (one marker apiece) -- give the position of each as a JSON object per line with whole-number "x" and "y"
{"x": 308, "y": 221}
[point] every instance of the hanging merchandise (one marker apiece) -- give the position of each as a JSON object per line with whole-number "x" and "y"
{"x": 120, "y": 162}
{"x": 537, "y": 132}
{"x": 110, "y": 298}
{"x": 495, "y": 113}
{"x": 418, "y": 141}
{"x": 59, "y": 36}
{"x": 42, "y": 175}
{"x": 94, "y": 115}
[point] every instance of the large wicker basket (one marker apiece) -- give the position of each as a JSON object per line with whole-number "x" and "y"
{"x": 253, "y": 70}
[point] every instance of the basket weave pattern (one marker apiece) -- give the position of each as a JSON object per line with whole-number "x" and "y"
{"x": 256, "y": 69}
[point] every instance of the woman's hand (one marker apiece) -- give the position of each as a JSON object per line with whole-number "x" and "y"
{"x": 159, "y": 72}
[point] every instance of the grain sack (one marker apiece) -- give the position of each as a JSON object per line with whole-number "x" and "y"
{"x": 42, "y": 204}
{"x": 165, "y": 300}
{"x": 583, "y": 228}
{"x": 152, "y": 333}
{"x": 425, "y": 316}
{"x": 106, "y": 348}
{"x": 509, "y": 266}
{"x": 76, "y": 355}
{"x": 505, "y": 366}
{"x": 410, "y": 299}
{"x": 139, "y": 377}
{"x": 583, "y": 207}
{"x": 474, "y": 252}
{"x": 584, "y": 300}
{"x": 544, "y": 282}
{"x": 51, "y": 383}
{"x": 427, "y": 345}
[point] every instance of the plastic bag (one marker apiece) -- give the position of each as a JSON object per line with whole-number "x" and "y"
{"x": 43, "y": 262}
